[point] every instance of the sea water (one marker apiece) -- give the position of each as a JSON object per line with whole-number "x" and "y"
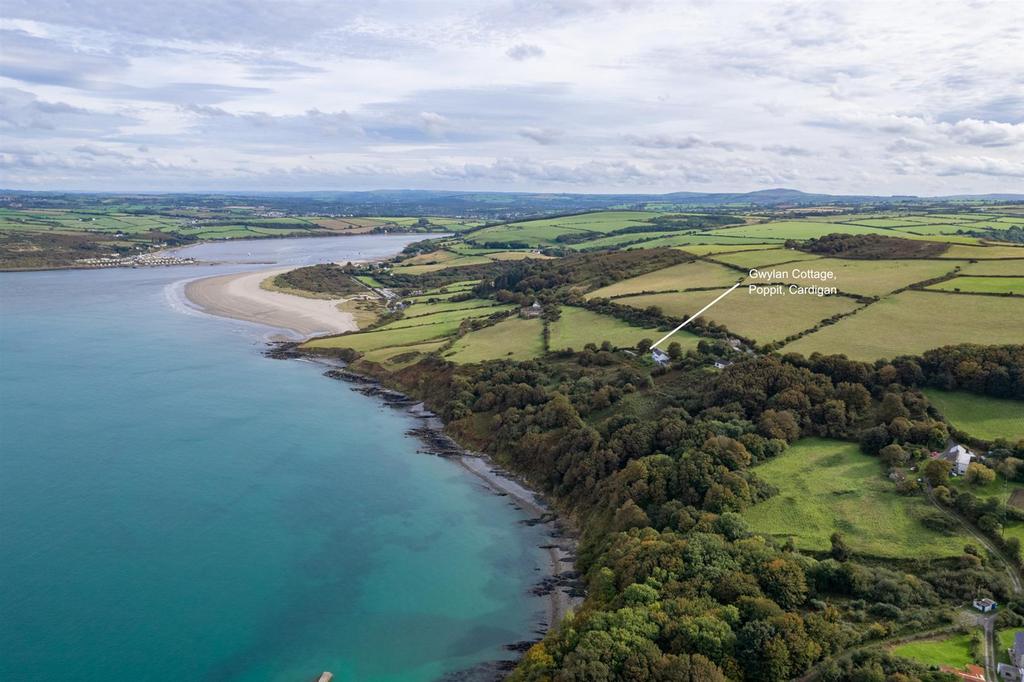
{"x": 175, "y": 506}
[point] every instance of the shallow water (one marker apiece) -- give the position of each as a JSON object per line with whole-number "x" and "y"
{"x": 175, "y": 506}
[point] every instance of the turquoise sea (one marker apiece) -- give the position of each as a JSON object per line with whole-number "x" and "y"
{"x": 174, "y": 506}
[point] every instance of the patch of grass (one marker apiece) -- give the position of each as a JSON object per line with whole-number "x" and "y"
{"x": 964, "y": 252}
{"x": 756, "y": 259}
{"x": 577, "y": 327}
{"x": 372, "y": 340}
{"x": 761, "y": 318}
{"x": 456, "y": 315}
{"x": 1004, "y": 641}
{"x": 872, "y": 277}
{"x": 980, "y": 416}
{"x": 796, "y": 229}
{"x": 994, "y": 267}
{"x": 674, "y": 278}
{"x": 827, "y": 486}
{"x": 546, "y": 231}
{"x": 396, "y": 357}
{"x": 983, "y": 285}
{"x": 953, "y": 651}
{"x": 915, "y": 321}
{"x": 511, "y": 339}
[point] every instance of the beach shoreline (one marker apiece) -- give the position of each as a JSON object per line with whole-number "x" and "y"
{"x": 239, "y": 296}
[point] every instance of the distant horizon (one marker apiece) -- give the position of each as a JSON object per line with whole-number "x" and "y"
{"x": 382, "y": 190}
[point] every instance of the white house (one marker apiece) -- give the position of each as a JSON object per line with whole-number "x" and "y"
{"x": 960, "y": 457}
{"x": 721, "y": 364}
{"x": 984, "y": 605}
{"x": 659, "y": 356}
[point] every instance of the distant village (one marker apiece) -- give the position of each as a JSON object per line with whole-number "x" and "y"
{"x": 139, "y": 260}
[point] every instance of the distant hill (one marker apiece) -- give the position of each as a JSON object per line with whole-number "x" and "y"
{"x": 494, "y": 205}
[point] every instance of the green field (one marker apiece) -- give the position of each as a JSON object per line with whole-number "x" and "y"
{"x": 983, "y": 285}
{"x": 756, "y": 259}
{"x": 827, "y": 486}
{"x": 795, "y": 229}
{"x": 994, "y": 267}
{"x": 981, "y": 416}
{"x": 1004, "y": 641}
{"x": 511, "y": 339}
{"x": 544, "y": 232}
{"x": 915, "y": 321}
{"x": 761, "y": 318}
{"x": 674, "y": 278}
{"x": 372, "y": 340}
{"x": 577, "y": 327}
{"x": 963, "y": 252}
{"x": 953, "y": 651}
{"x": 396, "y": 357}
{"x": 872, "y": 277}
{"x": 730, "y": 248}
{"x": 457, "y": 315}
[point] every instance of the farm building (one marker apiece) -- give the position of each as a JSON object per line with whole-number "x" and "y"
{"x": 722, "y": 364}
{"x": 984, "y": 605}
{"x": 959, "y": 456}
{"x": 530, "y": 311}
{"x": 659, "y": 356}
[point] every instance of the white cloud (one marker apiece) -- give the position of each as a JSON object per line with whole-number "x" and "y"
{"x": 914, "y": 97}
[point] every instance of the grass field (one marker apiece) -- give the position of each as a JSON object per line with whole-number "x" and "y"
{"x": 1004, "y": 640}
{"x": 372, "y": 340}
{"x": 762, "y": 318}
{"x": 456, "y": 261}
{"x": 980, "y": 416}
{"x": 577, "y": 327}
{"x": 795, "y": 229}
{"x": 983, "y": 285}
{"x": 756, "y": 259}
{"x": 673, "y": 278}
{"x": 953, "y": 651}
{"x": 915, "y": 321}
{"x": 418, "y": 309}
{"x": 963, "y": 252}
{"x": 512, "y": 339}
{"x": 873, "y": 277}
{"x": 827, "y": 486}
{"x": 456, "y": 315}
{"x": 396, "y": 357}
{"x": 994, "y": 267}
{"x": 711, "y": 249}
{"x": 544, "y": 232}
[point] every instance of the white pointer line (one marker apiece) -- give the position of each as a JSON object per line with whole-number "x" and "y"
{"x": 697, "y": 314}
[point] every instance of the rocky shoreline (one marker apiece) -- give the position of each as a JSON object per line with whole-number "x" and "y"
{"x": 562, "y": 584}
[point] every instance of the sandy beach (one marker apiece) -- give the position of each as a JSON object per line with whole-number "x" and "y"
{"x": 240, "y": 296}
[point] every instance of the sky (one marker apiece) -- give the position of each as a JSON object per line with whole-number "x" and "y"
{"x": 852, "y": 97}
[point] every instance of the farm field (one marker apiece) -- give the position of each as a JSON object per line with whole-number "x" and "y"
{"x": 953, "y": 651}
{"x": 981, "y": 416}
{"x": 545, "y": 231}
{"x": 873, "y": 277}
{"x": 703, "y": 238}
{"x": 511, "y": 339}
{"x": 964, "y": 252}
{"x": 795, "y": 229}
{"x": 755, "y": 259}
{"x": 675, "y": 278}
{"x": 983, "y": 285}
{"x": 577, "y": 327}
{"x": 761, "y": 318}
{"x": 915, "y": 321}
{"x": 384, "y": 338}
{"x": 441, "y": 265}
{"x": 456, "y": 315}
{"x": 396, "y": 357}
{"x": 994, "y": 267}
{"x": 827, "y": 486}
{"x": 712, "y": 249}
{"x": 418, "y": 309}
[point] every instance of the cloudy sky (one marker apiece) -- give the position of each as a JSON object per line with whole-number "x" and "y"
{"x": 846, "y": 97}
